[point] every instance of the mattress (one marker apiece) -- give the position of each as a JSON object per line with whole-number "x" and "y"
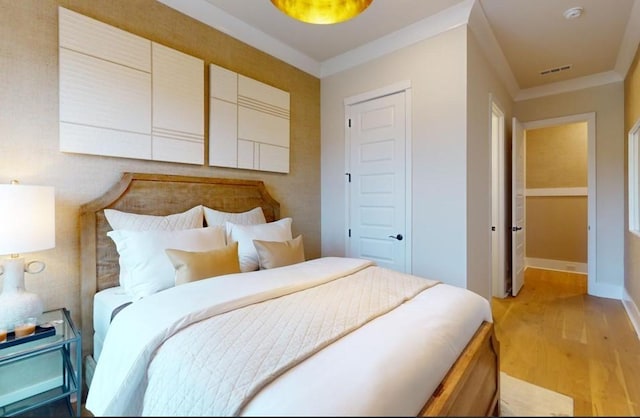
{"x": 105, "y": 302}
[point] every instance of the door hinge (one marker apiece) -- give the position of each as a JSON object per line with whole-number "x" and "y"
{"x": 349, "y": 175}
{"x": 349, "y": 122}
{"x": 349, "y": 232}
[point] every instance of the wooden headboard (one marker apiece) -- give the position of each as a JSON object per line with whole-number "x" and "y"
{"x": 152, "y": 194}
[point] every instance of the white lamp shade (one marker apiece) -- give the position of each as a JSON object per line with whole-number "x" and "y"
{"x": 27, "y": 218}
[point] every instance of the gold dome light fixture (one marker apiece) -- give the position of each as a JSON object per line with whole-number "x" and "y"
{"x": 322, "y": 11}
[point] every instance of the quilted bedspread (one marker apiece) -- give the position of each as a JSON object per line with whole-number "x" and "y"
{"x": 216, "y": 366}
{"x": 286, "y": 341}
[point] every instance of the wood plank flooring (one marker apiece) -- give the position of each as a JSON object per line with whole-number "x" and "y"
{"x": 556, "y": 336}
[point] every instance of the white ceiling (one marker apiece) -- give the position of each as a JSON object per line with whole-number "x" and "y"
{"x": 530, "y": 35}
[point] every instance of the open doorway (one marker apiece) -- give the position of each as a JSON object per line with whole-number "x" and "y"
{"x": 560, "y": 195}
{"x": 549, "y": 203}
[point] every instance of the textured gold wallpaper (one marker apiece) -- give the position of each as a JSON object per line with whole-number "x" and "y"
{"x": 29, "y": 145}
{"x": 556, "y": 157}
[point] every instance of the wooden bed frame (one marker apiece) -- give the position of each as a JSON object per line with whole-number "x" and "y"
{"x": 471, "y": 387}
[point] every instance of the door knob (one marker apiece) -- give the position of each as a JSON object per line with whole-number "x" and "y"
{"x": 398, "y": 237}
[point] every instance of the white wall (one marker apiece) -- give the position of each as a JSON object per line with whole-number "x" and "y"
{"x": 451, "y": 80}
{"x": 437, "y": 70}
{"x": 483, "y": 82}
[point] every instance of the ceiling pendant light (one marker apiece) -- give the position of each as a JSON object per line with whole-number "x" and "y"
{"x": 322, "y": 11}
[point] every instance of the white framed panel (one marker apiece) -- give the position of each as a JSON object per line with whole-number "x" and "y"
{"x": 178, "y": 91}
{"x": 258, "y": 126}
{"x": 178, "y": 106}
{"x": 177, "y": 150}
{"x": 223, "y": 84}
{"x": 91, "y": 37}
{"x": 124, "y": 96}
{"x": 273, "y": 158}
{"x": 263, "y": 93}
{"x": 99, "y": 93}
{"x": 246, "y": 154}
{"x": 223, "y": 134}
{"x": 248, "y": 118}
{"x": 99, "y": 141}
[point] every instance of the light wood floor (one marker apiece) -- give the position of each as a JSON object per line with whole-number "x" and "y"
{"x": 556, "y": 336}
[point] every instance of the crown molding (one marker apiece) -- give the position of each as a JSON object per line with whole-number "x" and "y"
{"x": 466, "y": 12}
{"x": 569, "y": 85}
{"x": 443, "y": 21}
{"x": 630, "y": 41}
{"x": 480, "y": 26}
{"x": 210, "y": 15}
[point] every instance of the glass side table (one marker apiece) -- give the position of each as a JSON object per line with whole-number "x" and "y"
{"x": 37, "y": 371}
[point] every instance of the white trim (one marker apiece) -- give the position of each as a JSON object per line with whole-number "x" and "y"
{"x": 408, "y": 180}
{"x": 557, "y": 265}
{"x": 630, "y": 41}
{"x": 209, "y": 14}
{"x": 401, "y": 86}
{"x": 481, "y": 28}
{"x": 467, "y": 12}
{"x": 632, "y": 311}
{"x": 215, "y": 17}
{"x": 498, "y": 195}
{"x": 633, "y": 171}
{"x": 594, "y": 288}
{"x": 569, "y": 85}
{"x": 558, "y": 191}
{"x": 382, "y": 91}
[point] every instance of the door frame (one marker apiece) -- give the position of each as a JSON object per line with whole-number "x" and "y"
{"x": 590, "y": 119}
{"x": 498, "y": 200}
{"x": 402, "y": 86}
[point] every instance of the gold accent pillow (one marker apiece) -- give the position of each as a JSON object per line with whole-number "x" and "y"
{"x": 279, "y": 253}
{"x": 191, "y": 266}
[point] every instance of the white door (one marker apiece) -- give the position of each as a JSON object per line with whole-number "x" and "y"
{"x": 498, "y": 215}
{"x": 376, "y": 175}
{"x": 517, "y": 207}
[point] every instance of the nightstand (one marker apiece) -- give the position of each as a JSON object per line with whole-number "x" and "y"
{"x": 36, "y": 372}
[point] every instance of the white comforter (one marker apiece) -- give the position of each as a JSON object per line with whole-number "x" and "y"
{"x": 390, "y": 366}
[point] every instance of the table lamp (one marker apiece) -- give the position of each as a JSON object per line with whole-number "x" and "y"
{"x": 27, "y": 224}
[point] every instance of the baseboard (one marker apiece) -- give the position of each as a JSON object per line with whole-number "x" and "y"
{"x": 557, "y": 265}
{"x": 632, "y": 311}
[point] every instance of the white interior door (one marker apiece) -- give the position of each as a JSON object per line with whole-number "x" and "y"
{"x": 498, "y": 215}
{"x": 377, "y": 195}
{"x": 517, "y": 207}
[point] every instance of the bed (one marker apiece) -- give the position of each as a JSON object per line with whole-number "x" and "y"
{"x": 371, "y": 367}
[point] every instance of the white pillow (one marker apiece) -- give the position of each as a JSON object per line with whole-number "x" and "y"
{"x": 245, "y": 234}
{"x": 191, "y": 218}
{"x": 147, "y": 268}
{"x": 250, "y": 217}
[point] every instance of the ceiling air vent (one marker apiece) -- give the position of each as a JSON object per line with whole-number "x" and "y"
{"x": 555, "y": 70}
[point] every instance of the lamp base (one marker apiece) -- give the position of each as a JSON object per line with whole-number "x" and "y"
{"x": 18, "y": 306}
{"x": 16, "y": 303}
